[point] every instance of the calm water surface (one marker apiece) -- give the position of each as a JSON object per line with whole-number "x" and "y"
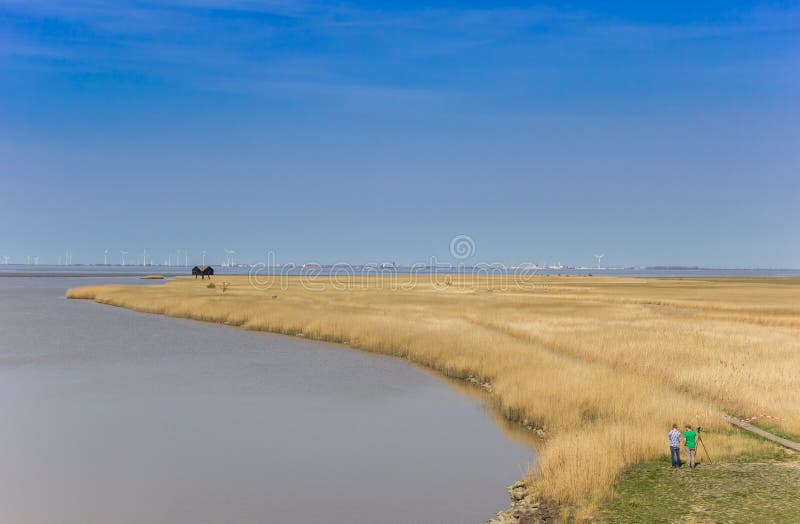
{"x": 112, "y": 416}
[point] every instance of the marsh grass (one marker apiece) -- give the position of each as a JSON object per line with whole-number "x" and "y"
{"x": 603, "y": 365}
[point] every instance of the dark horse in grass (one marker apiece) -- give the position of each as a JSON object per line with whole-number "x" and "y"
{"x": 203, "y": 271}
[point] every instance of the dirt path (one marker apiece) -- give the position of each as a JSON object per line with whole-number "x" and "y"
{"x": 761, "y": 433}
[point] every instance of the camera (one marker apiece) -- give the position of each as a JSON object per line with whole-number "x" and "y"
{"x": 699, "y": 428}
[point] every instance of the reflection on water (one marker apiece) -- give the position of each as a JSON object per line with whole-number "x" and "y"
{"x": 114, "y": 416}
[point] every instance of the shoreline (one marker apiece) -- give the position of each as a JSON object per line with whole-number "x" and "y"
{"x": 274, "y": 413}
{"x": 295, "y": 312}
{"x": 520, "y": 509}
{"x": 404, "y": 272}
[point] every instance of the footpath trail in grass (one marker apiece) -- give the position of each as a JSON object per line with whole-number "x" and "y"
{"x": 786, "y": 442}
{"x": 766, "y": 491}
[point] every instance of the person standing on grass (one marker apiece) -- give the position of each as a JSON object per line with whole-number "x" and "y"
{"x": 675, "y": 446}
{"x": 690, "y": 435}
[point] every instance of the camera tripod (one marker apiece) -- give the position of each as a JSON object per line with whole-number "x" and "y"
{"x": 703, "y": 445}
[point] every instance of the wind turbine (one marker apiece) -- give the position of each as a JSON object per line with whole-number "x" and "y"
{"x": 204, "y": 258}
{"x": 36, "y": 261}
{"x": 123, "y": 253}
{"x": 599, "y": 257}
{"x": 185, "y": 258}
{"x": 6, "y": 259}
{"x": 144, "y": 257}
{"x": 105, "y": 257}
{"x": 229, "y": 256}
{"x": 28, "y": 260}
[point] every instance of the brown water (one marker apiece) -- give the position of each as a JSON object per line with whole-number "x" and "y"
{"x": 112, "y": 416}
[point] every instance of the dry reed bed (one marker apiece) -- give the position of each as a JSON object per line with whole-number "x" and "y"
{"x": 603, "y": 365}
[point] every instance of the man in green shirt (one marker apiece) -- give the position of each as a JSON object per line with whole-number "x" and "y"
{"x": 691, "y": 436}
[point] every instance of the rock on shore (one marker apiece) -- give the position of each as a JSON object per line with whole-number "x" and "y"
{"x": 523, "y": 510}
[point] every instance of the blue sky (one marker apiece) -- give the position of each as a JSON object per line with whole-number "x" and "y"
{"x": 378, "y": 131}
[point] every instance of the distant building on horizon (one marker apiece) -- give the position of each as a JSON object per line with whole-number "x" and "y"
{"x": 203, "y": 271}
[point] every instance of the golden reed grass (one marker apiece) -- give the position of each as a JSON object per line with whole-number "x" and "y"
{"x": 603, "y": 365}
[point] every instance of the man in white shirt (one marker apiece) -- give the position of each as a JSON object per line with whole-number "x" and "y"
{"x": 675, "y": 446}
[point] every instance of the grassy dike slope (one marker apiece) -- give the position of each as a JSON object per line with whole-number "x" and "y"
{"x": 603, "y": 365}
